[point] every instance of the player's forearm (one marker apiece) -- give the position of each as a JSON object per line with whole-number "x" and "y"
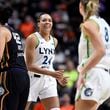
{"x": 39, "y": 70}
{"x": 92, "y": 61}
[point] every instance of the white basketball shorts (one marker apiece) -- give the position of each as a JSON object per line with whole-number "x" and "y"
{"x": 96, "y": 87}
{"x": 42, "y": 87}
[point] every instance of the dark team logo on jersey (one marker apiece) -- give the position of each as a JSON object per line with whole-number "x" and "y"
{"x": 88, "y": 92}
{"x": 1, "y": 90}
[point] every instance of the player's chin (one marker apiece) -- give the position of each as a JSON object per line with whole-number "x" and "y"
{"x": 48, "y": 29}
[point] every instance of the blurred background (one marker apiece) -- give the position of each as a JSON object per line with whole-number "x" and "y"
{"x": 66, "y": 29}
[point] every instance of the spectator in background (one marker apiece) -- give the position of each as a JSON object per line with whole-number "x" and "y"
{"x": 28, "y": 26}
{"x": 15, "y": 21}
{"x": 72, "y": 74}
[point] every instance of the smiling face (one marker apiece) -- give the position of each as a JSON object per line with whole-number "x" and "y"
{"x": 45, "y": 23}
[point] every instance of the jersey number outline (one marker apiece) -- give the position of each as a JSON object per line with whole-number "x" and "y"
{"x": 18, "y": 41}
{"x": 47, "y": 60}
{"x": 17, "y": 38}
{"x": 106, "y": 34}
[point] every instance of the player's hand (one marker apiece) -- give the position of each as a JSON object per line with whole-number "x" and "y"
{"x": 58, "y": 74}
{"x": 63, "y": 81}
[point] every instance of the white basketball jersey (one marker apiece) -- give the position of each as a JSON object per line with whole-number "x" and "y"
{"x": 45, "y": 52}
{"x": 85, "y": 47}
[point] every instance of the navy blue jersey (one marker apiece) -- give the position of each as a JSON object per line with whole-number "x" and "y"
{"x": 13, "y": 54}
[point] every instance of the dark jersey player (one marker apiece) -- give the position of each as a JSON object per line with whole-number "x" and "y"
{"x": 14, "y": 80}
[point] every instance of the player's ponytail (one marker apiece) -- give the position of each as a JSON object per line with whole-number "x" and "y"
{"x": 91, "y": 7}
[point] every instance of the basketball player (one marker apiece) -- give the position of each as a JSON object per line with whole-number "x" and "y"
{"x": 94, "y": 58}
{"x": 14, "y": 79}
{"x": 40, "y": 52}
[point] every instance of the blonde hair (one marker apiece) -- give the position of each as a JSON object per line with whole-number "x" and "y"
{"x": 91, "y": 7}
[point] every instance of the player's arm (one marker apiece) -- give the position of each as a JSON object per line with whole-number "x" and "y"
{"x": 56, "y": 42}
{"x": 91, "y": 30}
{"x": 30, "y": 45}
{"x": 5, "y": 36}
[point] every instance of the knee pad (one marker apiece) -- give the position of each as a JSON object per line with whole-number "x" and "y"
{"x": 55, "y": 109}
